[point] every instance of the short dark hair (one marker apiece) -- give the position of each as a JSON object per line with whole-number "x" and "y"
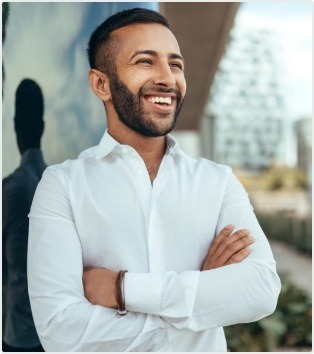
{"x": 102, "y": 47}
{"x": 29, "y": 112}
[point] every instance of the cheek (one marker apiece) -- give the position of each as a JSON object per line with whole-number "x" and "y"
{"x": 182, "y": 86}
{"x": 135, "y": 81}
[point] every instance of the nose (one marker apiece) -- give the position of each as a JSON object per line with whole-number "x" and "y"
{"x": 164, "y": 76}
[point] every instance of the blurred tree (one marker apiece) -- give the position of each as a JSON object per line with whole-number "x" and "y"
{"x": 284, "y": 177}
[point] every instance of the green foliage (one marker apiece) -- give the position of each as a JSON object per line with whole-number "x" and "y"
{"x": 292, "y": 230}
{"x": 284, "y": 177}
{"x": 289, "y": 326}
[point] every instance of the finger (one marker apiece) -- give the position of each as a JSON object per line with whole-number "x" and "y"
{"x": 240, "y": 256}
{"x": 231, "y": 239}
{"x": 224, "y": 233}
{"x": 233, "y": 248}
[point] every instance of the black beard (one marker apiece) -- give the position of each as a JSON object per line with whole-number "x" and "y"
{"x": 130, "y": 111}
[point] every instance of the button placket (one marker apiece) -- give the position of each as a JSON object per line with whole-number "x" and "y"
{"x": 156, "y": 233}
{"x": 164, "y": 174}
{"x": 157, "y": 262}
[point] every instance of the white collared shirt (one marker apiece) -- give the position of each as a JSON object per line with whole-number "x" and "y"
{"x": 102, "y": 211}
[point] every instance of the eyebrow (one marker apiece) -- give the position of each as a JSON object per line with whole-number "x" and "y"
{"x": 155, "y": 54}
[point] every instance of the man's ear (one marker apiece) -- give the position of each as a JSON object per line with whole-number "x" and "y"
{"x": 99, "y": 84}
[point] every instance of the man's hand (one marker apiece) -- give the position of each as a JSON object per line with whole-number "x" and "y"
{"x": 227, "y": 249}
{"x": 99, "y": 286}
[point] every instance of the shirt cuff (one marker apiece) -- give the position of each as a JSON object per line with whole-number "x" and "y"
{"x": 142, "y": 292}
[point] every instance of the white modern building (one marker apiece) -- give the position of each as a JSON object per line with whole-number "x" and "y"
{"x": 246, "y": 110}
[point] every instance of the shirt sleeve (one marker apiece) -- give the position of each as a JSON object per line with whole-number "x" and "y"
{"x": 64, "y": 319}
{"x": 237, "y": 293}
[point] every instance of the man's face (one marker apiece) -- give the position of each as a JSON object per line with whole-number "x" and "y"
{"x": 148, "y": 87}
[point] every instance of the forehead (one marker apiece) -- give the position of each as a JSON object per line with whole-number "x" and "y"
{"x": 151, "y": 36}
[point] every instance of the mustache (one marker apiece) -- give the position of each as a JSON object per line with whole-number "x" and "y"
{"x": 154, "y": 89}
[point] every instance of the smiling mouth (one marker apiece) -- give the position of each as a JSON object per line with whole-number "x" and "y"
{"x": 160, "y": 100}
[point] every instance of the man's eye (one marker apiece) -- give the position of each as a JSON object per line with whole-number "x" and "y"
{"x": 177, "y": 65}
{"x": 144, "y": 61}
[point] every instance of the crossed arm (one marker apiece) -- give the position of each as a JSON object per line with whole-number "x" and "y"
{"x": 243, "y": 293}
{"x": 226, "y": 249}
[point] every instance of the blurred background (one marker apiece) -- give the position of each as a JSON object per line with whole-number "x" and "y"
{"x": 248, "y": 105}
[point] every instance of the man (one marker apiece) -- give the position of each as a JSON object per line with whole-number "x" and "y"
{"x": 136, "y": 202}
{"x": 18, "y": 191}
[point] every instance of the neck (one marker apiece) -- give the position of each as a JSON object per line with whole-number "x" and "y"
{"x": 23, "y": 148}
{"x": 150, "y": 149}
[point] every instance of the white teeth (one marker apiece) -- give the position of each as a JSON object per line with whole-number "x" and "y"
{"x": 156, "y": 99}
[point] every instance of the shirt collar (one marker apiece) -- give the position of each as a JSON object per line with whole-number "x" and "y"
{"x": 173, "y": 147}
{"x": 32, "y": 155}
{"x": 108, "y": 144}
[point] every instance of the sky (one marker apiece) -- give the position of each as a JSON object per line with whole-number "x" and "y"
{"x": 47, "y": 43}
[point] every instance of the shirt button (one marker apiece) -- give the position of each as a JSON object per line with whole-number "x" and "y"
{"x": 140, "y": 172}
{"x": 124, "y": 150}
{"x": 153, "y": 218}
